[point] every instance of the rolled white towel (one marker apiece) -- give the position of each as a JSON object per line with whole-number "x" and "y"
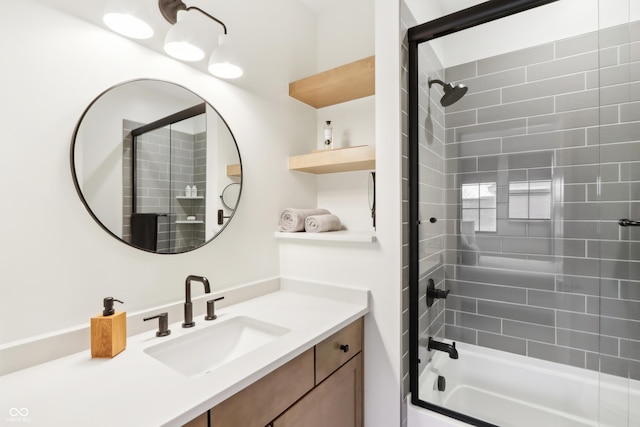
{"x": 322, "y": 223}
{"x": 293, "y": 219}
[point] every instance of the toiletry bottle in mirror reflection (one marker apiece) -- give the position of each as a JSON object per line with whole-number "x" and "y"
{"x": 187, "y": 191}
{"x": 194, "y": 191}
{"x": 328, "y": 135}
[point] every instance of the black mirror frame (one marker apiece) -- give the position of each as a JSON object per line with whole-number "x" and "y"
{"x": 79, "y": 190}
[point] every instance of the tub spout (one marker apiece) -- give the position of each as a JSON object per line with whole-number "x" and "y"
{"x": 447, "y": 348}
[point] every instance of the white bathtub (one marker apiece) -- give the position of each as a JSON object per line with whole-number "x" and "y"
{"x": 516, "y": 391}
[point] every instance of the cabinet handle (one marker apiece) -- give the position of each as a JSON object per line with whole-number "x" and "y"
{"x": 344, "y": 347}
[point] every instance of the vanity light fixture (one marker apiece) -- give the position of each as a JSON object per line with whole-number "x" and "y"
{"x": 128, "y": 18}
{"x": 183, "y": 43}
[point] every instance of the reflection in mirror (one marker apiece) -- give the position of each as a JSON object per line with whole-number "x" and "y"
{"x": 230, "y": 196}
{"x": 148, "y": 158}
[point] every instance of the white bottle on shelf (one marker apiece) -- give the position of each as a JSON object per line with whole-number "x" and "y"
{"x": 194, "y": 191}
{"x": 187, "y": 191}
{"x": 328, "y": 135}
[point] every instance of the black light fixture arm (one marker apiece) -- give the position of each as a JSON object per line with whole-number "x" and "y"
{"x": 170, "y": 9}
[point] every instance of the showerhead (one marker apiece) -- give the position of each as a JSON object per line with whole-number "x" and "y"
{"x": 452, "y": 94}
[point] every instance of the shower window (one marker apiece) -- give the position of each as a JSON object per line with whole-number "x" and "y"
{"x": 530, "y": 200}
{"x": 479, "y": 205}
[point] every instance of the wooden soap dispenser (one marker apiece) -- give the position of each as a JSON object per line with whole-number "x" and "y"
{"x": 108, "y": 331}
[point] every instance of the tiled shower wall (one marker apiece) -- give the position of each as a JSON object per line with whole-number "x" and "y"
{"x": 563, "y": 287}
{"x": 168, "y": 161}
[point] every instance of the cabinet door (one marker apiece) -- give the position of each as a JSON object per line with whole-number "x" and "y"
{"x": 268, "y": 397}
{"x": 336, "y": 402}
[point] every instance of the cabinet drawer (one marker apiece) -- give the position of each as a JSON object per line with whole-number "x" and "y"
{"x": 333, "y": 352}
{"x": 264, "y": 400}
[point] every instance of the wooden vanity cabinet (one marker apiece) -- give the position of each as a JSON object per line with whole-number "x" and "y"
{"x": 321, "y": 387}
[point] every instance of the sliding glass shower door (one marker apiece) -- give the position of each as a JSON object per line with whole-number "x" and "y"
{"x": 517, "y": 189}
{"x": 619, "y": 195}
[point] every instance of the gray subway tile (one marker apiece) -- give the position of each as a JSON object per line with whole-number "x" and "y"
{"x": 564, "y": 355}
{"x": 587, "y": 341}
{"x": 483, "y": 323}
{"x": 578, "y": 322}
{"x": 543, "y": 141}
{"x": 578, "y": 100}
{"x": 567, "y": 120}
{"x": 619, "y": 132}
{"x": 527, "y": 245}
{"x": 461, "y": 72}
{"x": 630, "y": 349}
{"x": 521, "y": 313}
{"x": 609, "y": 192}
{"x": 529, "y": 331}
{"x": 620, "y": 328}
{"x": 516, "y": 59}
{"x": 578, "y": 174}
{"x": 630, "y": 290}
{"x": 515, "y": 110}
{"x": 564, "y": 66}
{"x": 496, "y": 80}
{"x": 474, "y": 148}
{"x": 580, "y": 266}
{"x": 621, "y": 152}
{"x": 623, "y": 309}
{"x": 454, "y": 302}
{"x": 614, "y": 366}
{"x": 521, "y": 279}
{"x": 484, "y": 291}
{"x": 554, "y": 86}
{"x": 576, "y": 45}
{"x": 630, "y": 112}
{"x": 557, "y": 300}
{"x": 491, "y": 130}
{"x": 618, "y": 74}
{"x": 462, "y": 118}
{"x": 456, "y": 333}
{"x": 502, "y": 342}
{"x": 614, "y": 36}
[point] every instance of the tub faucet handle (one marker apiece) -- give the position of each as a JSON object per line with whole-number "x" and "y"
{"x": 434, "y": 293}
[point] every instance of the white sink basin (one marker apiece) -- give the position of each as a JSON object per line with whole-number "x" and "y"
{"x": 204, "y": 350}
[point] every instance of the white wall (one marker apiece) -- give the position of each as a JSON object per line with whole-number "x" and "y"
{"x": 375, "y": 266}
{"x": 57, "y": 264}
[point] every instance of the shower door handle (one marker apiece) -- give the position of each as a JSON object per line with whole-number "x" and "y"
{"x": 628, "y": 223}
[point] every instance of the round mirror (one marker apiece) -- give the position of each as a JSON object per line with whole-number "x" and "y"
{"x": 148, "y": 159}
{"x": 230, "y": 195}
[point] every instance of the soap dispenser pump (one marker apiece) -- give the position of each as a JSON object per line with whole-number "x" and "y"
{"x": 108, "y": 331}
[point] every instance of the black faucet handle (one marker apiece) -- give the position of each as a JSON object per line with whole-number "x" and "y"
{"x": 163, "y": 324}
{"x": 211, "y": 315}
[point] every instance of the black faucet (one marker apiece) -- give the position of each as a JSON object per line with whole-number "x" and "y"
{"x": 447, "y": 348}
{"x": 188, "y": 307}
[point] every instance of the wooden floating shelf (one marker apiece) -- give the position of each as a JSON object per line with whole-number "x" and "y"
{"x": 339, "y": 160}
{"x": 331, "y": 236}
{"x": 346, "y": 83}
{"x": 234, "y": 170}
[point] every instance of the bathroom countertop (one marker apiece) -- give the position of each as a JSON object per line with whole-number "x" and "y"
{"x": 134, "y": 389}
